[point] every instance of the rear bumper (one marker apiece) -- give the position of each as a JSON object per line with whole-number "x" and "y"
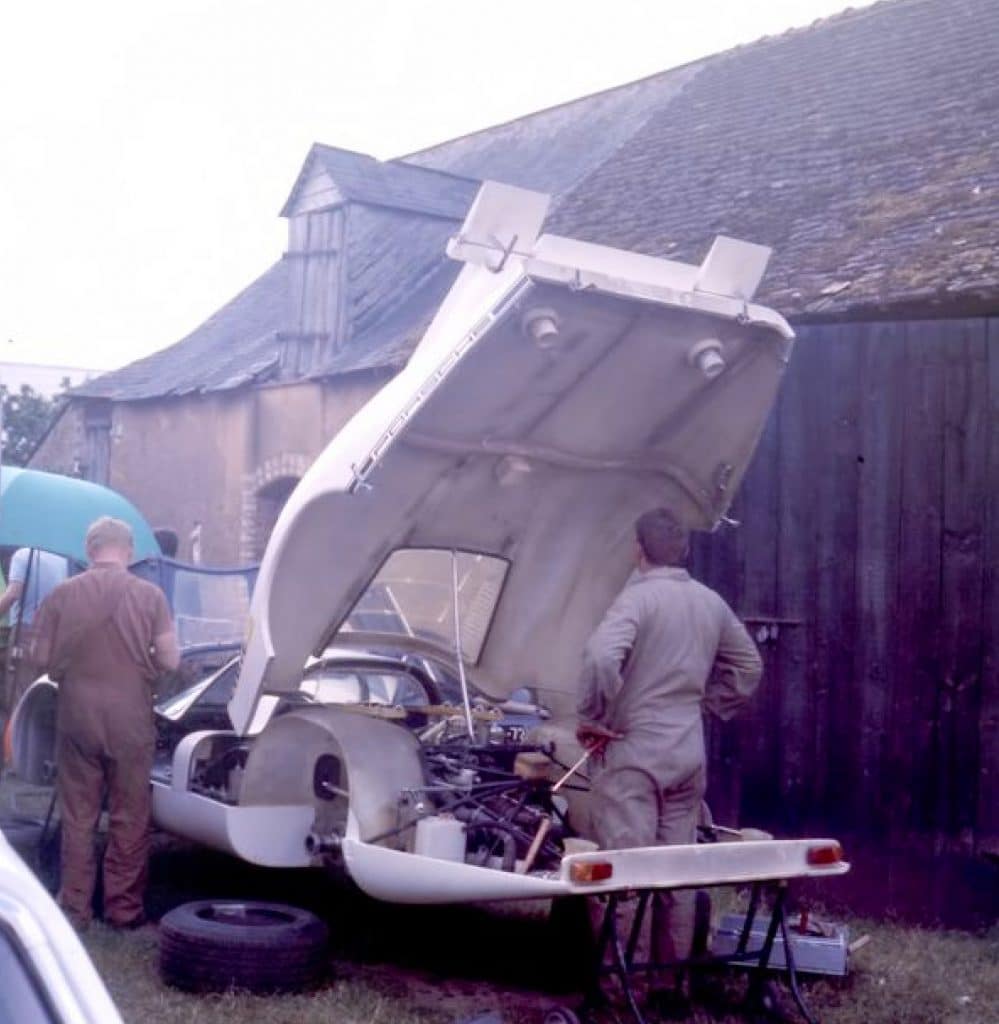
{"x": 401, "y": 877}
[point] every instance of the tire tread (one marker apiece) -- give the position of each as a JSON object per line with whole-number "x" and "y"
{"x": 205, "y": 955}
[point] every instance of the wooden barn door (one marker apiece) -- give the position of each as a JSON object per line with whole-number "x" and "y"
{"x": 866, "y": 563}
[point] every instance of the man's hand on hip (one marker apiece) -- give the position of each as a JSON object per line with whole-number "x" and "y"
{"x": 594, "y": 736}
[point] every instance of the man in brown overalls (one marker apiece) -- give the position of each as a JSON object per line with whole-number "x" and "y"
{"x": 104, "y": 636}
{"x": 667, "y": 647}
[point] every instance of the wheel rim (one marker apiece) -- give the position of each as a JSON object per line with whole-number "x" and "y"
{"x": 244, "y": 915}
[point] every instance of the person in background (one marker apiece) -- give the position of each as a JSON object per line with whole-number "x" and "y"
{"x": 32, "y": 576}
{"x": 195, "y": 539}
{"x": 667, "y": 648}
{"x": 105, "y": 636}
{"x": 168, "y": 541}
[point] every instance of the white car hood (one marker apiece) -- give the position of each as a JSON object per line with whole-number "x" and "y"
{"x": 541, "y": 450}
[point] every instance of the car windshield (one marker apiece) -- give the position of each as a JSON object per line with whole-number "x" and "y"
{"x": 413, "y": 595}
{"x": 214, "y": 691}
{"x": 329, "y": 685}
{"x": 209, "y": 606}
{"x": 324, "y": 683}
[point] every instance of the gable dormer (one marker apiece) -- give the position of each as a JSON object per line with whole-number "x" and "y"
{"x": 337, "y": 197}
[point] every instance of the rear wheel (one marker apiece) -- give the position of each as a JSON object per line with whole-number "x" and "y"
{"x": 215, "y": 945}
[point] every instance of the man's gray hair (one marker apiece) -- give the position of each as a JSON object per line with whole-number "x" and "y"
{"x": 108, "y": 532}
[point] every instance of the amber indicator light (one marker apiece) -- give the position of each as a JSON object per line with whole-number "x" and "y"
{"x": 591, "y": 871}
{"x": 831, "y": 853}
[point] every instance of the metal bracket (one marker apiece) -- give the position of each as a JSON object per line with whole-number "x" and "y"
{"x": 506, "y": 250}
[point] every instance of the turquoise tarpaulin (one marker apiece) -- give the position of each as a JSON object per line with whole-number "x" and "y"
{"x": 52, "y": 512}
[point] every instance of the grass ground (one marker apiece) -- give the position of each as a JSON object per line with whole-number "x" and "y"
{"x": 904, "y": 976}
{"x": 127, "y": 962}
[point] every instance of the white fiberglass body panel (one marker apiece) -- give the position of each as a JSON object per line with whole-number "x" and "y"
{"x": 409, "y": 878}
{"x": 561, "y": 390}
{"x": 272, "y": 836}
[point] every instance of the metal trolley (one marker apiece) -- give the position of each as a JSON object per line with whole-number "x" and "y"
{"x": 616, "y": 948}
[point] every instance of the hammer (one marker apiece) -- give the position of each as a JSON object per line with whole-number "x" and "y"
{"x": 544, "y": 826}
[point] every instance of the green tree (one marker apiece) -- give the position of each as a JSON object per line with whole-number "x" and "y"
{"x": 26, "y": 417}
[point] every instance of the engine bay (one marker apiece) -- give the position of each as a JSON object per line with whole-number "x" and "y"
{"x": 484, "y": 795}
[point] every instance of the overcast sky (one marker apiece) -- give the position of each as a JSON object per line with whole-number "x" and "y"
{"x": 146, "y": 146}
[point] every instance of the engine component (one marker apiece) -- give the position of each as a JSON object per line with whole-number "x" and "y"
{"x": 440, "y": 836}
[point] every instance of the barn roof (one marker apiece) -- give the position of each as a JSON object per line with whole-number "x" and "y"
{"x": 862, "y": 148}
{"x": 395, "y": 184}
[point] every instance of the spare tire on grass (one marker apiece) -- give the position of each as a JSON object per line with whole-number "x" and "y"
{"x": 216, "y": 945}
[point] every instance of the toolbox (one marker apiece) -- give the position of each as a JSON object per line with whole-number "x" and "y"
{"x": 817, "y": 946}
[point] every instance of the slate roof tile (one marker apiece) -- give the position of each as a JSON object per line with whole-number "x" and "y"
{"x": 386, "y": 342}
{"x": 393, "y": 183}
{"x": 853, "y": 148}
{"x": 391, "y": 254}
{"x": 553, "y": 149}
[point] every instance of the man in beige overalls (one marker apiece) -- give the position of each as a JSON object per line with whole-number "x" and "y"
{"x": 105, "y": 636}
{"x": 667, "y": 648}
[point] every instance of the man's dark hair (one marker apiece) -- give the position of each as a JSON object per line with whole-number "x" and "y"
{"x": 662, "y": 537}
{"x": 167, "y": 540}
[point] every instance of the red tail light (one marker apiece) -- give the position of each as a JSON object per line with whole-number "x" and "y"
{"x": 828, "y": 853}
{"x": 591, "y": 871}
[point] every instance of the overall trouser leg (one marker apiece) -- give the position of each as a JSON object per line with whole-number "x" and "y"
{"x": 126, "y": 860}
{"x": 624, "y": 807}
{"x": 80, "y": 786}
{"x": 629, "y": 809}
{"x": 673, "y": 910}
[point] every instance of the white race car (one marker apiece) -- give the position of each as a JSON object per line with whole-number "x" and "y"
{"x": 478, "y": 510}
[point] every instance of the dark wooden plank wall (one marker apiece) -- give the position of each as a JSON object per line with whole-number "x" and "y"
{"x": 869, "y": 536}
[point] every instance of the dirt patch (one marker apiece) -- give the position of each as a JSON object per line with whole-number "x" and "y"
{"x": 457, "y": 999}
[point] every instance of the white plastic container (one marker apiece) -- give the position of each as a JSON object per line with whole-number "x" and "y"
{"x": 440, "y": 836}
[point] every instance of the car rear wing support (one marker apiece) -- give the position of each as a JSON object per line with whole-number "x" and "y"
{"x": 615, "y": 955}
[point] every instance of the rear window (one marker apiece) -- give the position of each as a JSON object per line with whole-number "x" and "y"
{"x": 412, "y": 595}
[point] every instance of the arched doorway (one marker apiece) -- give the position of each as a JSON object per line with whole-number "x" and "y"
{"x": 270, "y": 500}
{"x": 265, "y": 491}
